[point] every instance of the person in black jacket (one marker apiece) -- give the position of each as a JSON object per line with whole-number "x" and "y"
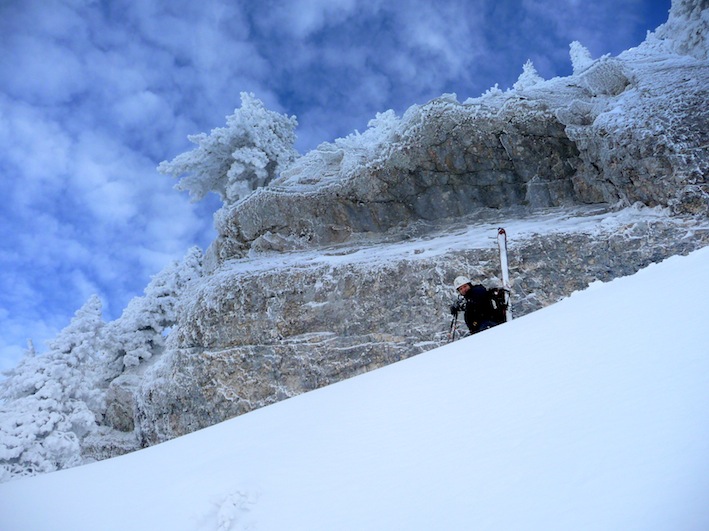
{"x": 475, "y": 301}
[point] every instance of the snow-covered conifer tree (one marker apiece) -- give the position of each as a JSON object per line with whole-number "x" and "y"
{"x": 580, "y": 57}
{"x": 528, "y": 77}
{"x": 140, "y": 331}
{"x": 254, "y": 147}
{"x": 50, "y": 401}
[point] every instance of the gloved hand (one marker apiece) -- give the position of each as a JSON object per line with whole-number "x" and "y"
{"x": 458, "y": 306}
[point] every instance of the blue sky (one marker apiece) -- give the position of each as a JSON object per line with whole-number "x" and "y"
{"x": 94, "y": 94}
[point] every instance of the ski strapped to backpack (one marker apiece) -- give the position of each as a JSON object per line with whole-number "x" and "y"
{"x": 506, "y": 286}
{"x": 499, "y": 301}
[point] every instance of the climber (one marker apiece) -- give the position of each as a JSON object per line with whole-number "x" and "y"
{"x": 483, "y": 307}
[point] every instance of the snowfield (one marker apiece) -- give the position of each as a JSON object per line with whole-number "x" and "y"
{"x": 592, "y": 413}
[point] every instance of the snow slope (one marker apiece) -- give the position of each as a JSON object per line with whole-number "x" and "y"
{"x": 592, "y": 413}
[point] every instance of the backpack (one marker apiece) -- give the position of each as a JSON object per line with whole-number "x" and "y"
{"x": 498, "y": 302}
{"x": 488, "y": 304}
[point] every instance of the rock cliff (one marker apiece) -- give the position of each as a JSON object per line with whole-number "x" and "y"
{"x": 344, "y": 263}
{"x": 251, "y": 336}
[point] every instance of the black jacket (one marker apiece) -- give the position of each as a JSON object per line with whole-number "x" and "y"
{"x": 479, "y": 313}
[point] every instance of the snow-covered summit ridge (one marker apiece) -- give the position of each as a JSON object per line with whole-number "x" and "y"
{"x": 686, "y": 30}
{"x": 684, "y": 33}
{"x": 619, "y": 130}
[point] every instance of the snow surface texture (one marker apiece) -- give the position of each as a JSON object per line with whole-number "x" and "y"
{"x": 589, "y": 414}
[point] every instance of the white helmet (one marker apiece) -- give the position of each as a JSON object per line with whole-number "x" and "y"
{"x": 459, "y": 281}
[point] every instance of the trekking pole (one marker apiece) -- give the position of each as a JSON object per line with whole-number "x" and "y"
{"x": 454, "y": 325}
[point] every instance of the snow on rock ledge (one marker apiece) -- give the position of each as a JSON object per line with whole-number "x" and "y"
{"x": 257, "y": 332}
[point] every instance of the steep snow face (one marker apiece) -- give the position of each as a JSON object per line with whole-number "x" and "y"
{"x": 590, "y": 414}
{"x": 623, "y": 129}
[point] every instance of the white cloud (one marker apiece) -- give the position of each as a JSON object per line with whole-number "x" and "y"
{"x": 35, "y": 146}
{"x": 451, "y": 33}
{"x": 302, "y": 19}
{"x": 136, "y": 110}
{"x": 41, "y": 71}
